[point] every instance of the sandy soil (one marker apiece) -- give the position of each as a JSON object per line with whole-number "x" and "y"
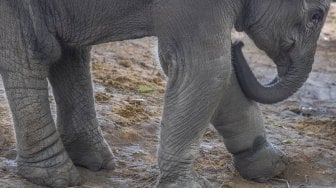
{"x": 129, "y": 88}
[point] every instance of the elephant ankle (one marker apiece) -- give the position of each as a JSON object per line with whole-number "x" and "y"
{"x": 260, "y": 162}
{"x": 174, "y": 167}
{"x": 177, "y": 171}
{"x": 53, "y": 155}
{"x": 92, "y": 155}
{"x": 57, "y": 175}
{"x": 92, "y": 136}
{"x": 50, "y": 167}
{"x": 192, "y": 181}
{"x": 88, "y": 132}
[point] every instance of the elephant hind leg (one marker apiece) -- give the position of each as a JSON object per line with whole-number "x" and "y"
{"x": 240, "y": 123}
{"x": 41, "y": 156}
{"x": 76, "y": 117}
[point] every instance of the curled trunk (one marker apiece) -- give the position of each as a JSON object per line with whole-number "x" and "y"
{"x": 279, "y": 89}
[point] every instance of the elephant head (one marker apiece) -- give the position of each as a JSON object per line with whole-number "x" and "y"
{"x": 287, "y": 30}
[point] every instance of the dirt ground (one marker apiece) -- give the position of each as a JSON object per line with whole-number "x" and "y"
{"x": 129, "y": 87}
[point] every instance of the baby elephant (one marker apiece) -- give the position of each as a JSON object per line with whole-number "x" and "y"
{"x": 50, "y": 40}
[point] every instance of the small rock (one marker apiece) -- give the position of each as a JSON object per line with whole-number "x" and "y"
{"x": 125, "y": 63}
{"x": 307, "y": 110}
{"x": 288, "y": 113}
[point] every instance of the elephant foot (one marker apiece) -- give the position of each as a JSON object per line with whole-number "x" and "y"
{"x": 261, "y": 162}
{"x": 94, "y": 155}
{"x": 57, "y": 171}
{"x": 194, "y": 181}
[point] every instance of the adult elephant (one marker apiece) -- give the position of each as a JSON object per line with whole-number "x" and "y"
{"x": 44, "y": 40}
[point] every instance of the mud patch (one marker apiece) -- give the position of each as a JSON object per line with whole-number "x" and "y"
{"x": 134, "y": 111}
{"x": 7, "y": 139}
{"x": 322, "y": 129}
{"x": 102, "y": 97}
{"x": 129, "y": 74}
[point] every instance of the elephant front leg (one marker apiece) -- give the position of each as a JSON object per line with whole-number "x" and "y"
{"x": 196, "y": 84}
{"x": 240, "y": 122}
{"x": 76, "y": 116}
{"x": 41, "y": 157}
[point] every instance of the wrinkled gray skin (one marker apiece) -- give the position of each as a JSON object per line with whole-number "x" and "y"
{"x": 294, "y": 46}
{"x": 44, "y": 40}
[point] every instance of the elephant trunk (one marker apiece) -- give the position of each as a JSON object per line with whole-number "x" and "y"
{"x": 282, "y": 87}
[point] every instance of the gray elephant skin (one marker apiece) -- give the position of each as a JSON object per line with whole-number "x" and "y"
{"x": 49, "y": 40}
